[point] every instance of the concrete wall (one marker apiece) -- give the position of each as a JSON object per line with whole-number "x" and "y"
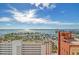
{"x": 63, "y": 43}
{"x": 74, "y": 50}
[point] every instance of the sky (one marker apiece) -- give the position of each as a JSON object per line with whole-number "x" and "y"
{"x": 39, "y": 16}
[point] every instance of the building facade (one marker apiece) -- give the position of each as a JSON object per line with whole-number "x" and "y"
{"x": 18, "y": 47}
{"x": 68, "y": 44}
{"x": 5, "y": 48}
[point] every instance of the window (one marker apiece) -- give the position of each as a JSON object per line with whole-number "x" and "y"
{"x": 66, "y": 52}
{"x": 65, "y": 41}
{"x": 73, "y": 53}
{"x": 77, "y": 53}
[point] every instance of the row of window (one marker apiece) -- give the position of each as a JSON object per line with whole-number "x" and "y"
{"x": 73, "y": 53}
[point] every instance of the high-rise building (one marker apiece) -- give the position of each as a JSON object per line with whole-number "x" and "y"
{"x": 68, "y": 44}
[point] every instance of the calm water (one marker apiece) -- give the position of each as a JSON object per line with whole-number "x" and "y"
{"x": 5, "y": 31}
{"x": 49, "y": 31}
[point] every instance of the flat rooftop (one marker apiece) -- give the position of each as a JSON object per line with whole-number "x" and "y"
{"x": 75, "y": 41}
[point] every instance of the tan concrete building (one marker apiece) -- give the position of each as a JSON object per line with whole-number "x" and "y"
{"x": 18, "y": 47}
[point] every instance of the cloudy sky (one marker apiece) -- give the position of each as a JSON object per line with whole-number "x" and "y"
{"x": 39, "y": 16}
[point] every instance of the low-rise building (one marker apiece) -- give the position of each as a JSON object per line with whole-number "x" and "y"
{"x": 18, "y": 47}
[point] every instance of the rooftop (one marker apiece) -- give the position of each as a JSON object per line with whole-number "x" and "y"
{"x": 75, "y": 41}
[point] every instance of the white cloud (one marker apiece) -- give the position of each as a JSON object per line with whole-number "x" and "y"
{"x": 30, "y": 17}
{"x": 8, "y": 24}
{"x": 44, "y": 5}
{"x": 27, "y": 16}
{"x": 62, "y": 11}
{"x": 64, "y": 23}
{"x": 5, "y": 19}
{"x": 24, "y": 17}
{"x": 8, "y": 27}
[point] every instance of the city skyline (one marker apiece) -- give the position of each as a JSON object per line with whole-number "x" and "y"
{"x": 39, "y": 16}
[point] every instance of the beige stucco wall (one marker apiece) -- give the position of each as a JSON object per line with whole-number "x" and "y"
{"x": 74, "y": 50}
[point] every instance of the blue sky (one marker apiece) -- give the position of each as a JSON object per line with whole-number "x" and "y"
{"x": 39, "y": 16}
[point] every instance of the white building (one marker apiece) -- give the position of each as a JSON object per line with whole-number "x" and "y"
{"x": 18, "y": 47}
{"x": 6, "y": 48}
